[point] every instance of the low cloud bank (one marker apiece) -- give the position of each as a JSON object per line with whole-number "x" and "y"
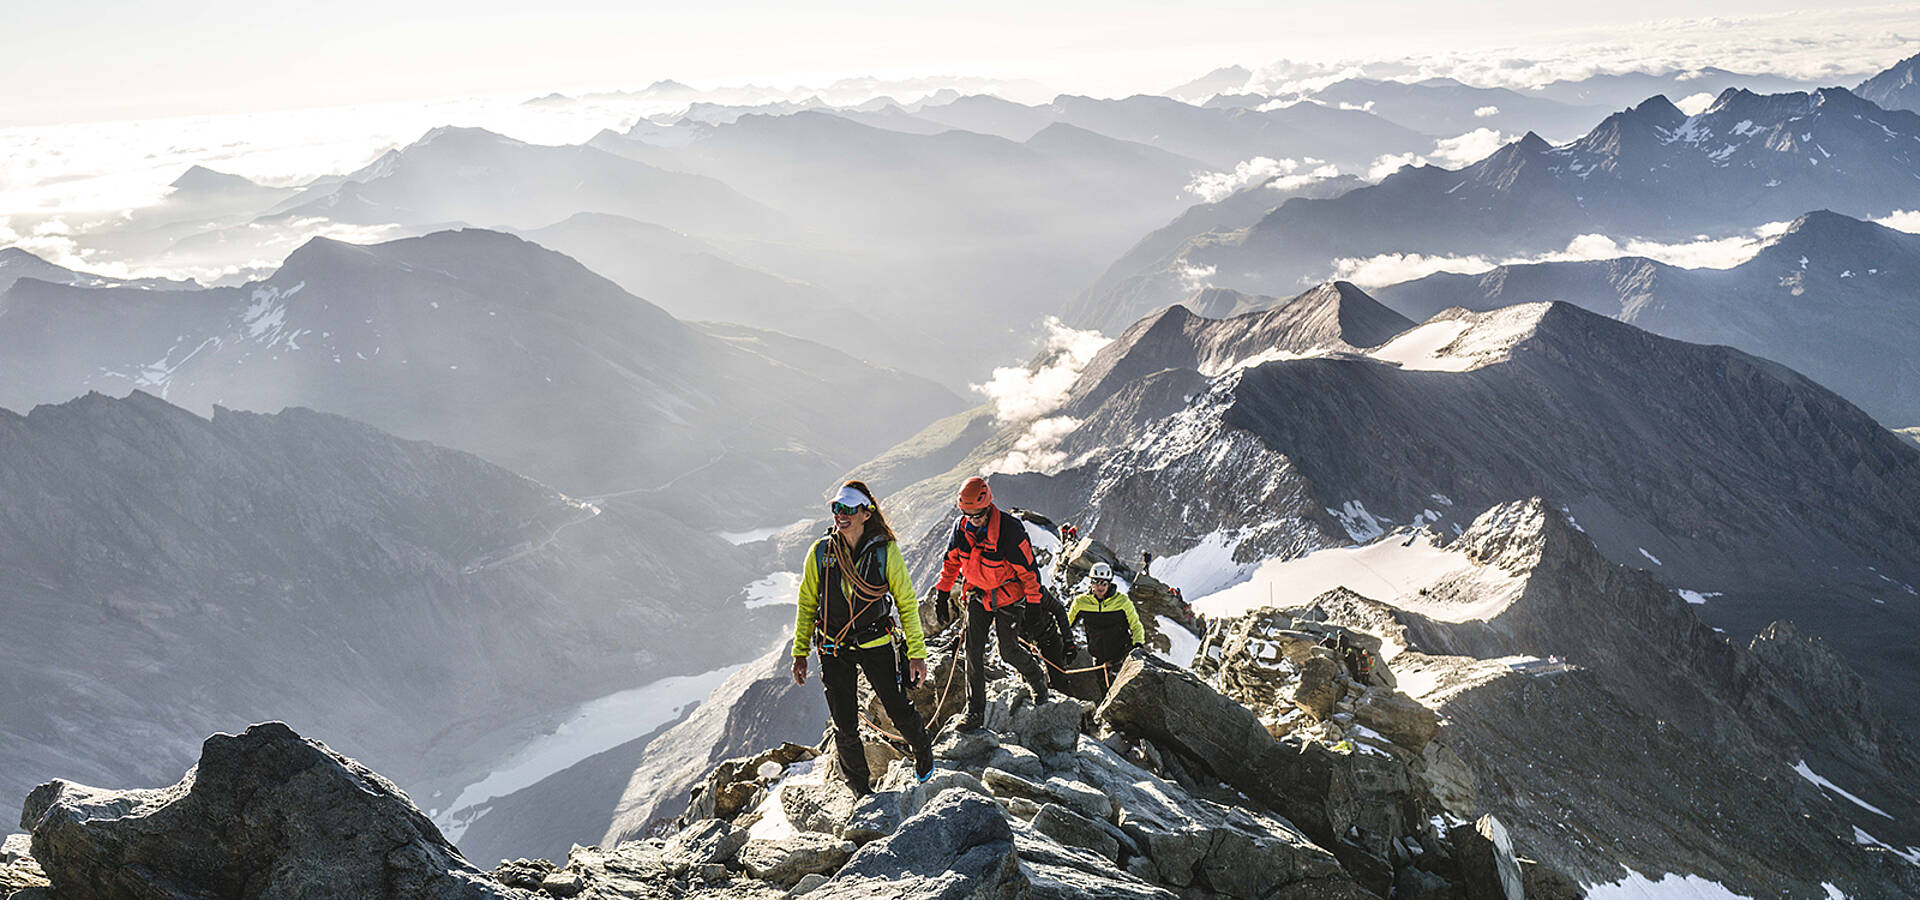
{"x": 1022, "y": 394}
{"x": 1705, "y": 253}
{"x": 1455, "y": 152}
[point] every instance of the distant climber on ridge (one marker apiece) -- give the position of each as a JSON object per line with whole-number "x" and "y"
{"x": 1113, "y": 625}
{"x": 990, "y": 548}
{"x": 847, "y": 576}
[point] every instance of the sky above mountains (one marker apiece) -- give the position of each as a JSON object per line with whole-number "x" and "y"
{"x": 94, "y": 60}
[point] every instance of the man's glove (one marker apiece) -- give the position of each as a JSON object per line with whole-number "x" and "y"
{"x": 945, "y": 598}
{"x": 1036, "y": 617}
{"x": 1073, "y": 648}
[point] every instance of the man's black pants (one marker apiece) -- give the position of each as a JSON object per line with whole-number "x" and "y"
{"x": 1006, "y": 623}
{"x": 840, "y": 676}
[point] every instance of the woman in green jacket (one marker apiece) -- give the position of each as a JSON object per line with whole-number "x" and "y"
{"x": 849, "y": 576}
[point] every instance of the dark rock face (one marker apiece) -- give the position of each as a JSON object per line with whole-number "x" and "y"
{"x": 265, "y": 814}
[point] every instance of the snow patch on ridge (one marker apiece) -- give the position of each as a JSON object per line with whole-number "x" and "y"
{"x": 1392, "y": 571}
{"x": 1183, "y": 645}
{"x": 1810, "y": 775}
{"x": 1671, "y": 886}
{"x": 1207, "y": 566}
{"x": 1462, "y": 344}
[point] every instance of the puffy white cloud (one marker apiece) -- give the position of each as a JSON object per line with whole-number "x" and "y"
{"x": 1290, "y": 182}
{"x": 1466, "y": 149}
{"x": 1826, "y": 45}
{"x": 1482, "y": 112}
{"x": 1215, "y": 186}
{"x": 1390, "y": 163}
{"x": 1037, "y": 449}
{"x": 1023, "y": 394}
{"x": 1702, "y": 253}
{"x": 1907, "y": 220}
{"x": 1695, "y": 104}
{"x": 1193, "y": 277}
{"x": 1393, "y": 268}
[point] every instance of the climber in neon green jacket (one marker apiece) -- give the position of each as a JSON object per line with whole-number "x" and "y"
{"x": 1113, "y": 625}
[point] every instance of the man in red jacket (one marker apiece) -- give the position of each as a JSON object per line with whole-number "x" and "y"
{"x": 990, "y": 549}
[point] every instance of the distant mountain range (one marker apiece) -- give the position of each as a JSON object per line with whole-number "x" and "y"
{"x": 168, "y": 575}
{"x": 1445, "y": 107}
{"x": 485, "y": 342}
{"x": 1833, "y": 297}
{"x": 1719, "y": 471}
{"x": 1650, "y": 172}
{"x": 16, "y": 264}
{"x": 953, "y": 240}
{"x": 476, "y": 177}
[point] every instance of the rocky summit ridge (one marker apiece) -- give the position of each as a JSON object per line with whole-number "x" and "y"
{"x": 1454, "y": 763}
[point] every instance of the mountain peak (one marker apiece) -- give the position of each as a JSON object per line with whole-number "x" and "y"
{"x": 201, "y": 178}
{"x": 1896, "y": 88}
{"x": 460, "y": 136}
{"x": 1532, "y": 143}
{"x": 1831, "y": 240}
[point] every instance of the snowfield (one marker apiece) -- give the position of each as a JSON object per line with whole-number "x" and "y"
{"x": 1392, "y": 571}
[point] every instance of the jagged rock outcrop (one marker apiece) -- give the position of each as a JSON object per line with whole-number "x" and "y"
{"x": 19, "y": 871}
{"x": 959, "y": 846}
{"x": 265, "y": 814}
{"x": 1525, "y": 659}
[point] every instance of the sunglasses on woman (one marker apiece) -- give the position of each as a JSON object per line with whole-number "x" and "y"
{"x": 841, "y": 509}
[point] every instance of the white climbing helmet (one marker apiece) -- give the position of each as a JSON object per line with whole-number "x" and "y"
{"x": 1101, "y": 572}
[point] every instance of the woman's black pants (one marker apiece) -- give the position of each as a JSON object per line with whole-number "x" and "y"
{"x": 840, "y": 676}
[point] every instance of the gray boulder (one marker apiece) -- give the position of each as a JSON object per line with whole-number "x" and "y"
{"x": 954, "y": 745}
{"x": 18, "y": 870}
{"x": 650, "y": 869}
{"x": 1488, "y": 869}
{"x": 1052, "y": 726}
{"x": 818, "y": 807}
{"x": 1059, "y": 872}
{"x": 1075, "y": 830}
{"x": 1398, "y": 717}
{"x": 960, "y": 846}
{"x": 707, "y": 842}
{"x": 785, "y": 862}
{"x": 1189, "y": 842}
{"x": 266, "y": 813}
{"x": 1305, "y": 782}
{"x": 1018, "y": 760}
{"x": 1319, "y": 687}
